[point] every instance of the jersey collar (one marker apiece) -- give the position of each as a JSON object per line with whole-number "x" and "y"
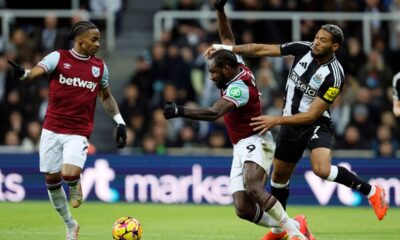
{"x": 238, "y": 76}
{"x": 78, "y": 55}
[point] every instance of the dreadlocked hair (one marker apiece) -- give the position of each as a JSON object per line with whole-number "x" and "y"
{"x": 224, "y": 57}
{"x": 80, "y": 27}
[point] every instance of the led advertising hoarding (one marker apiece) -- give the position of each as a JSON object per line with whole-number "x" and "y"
{"x": 202, "y": 179}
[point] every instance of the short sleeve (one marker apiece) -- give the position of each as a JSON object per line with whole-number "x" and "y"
{"x": 50, "y": 61}
{"x": 295, "y": 48}
{"x": 104, "y": 79}
{"x": 331, "y": 88}
{"x": 238, "y": 93}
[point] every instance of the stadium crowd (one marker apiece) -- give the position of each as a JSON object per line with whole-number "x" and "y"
{"x": 174, "y": 69}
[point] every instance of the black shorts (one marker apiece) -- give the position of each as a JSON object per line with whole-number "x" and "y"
{"x": 294, "y": 139}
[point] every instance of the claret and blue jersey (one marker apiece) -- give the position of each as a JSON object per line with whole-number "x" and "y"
{"x": 241, "y": 91}
{"x": 74, "y": 83}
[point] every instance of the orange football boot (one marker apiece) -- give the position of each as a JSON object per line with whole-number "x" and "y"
{"x": 378, "y": 203}
{"x": 301, "y": 219}
{"x": 274, "y": 236}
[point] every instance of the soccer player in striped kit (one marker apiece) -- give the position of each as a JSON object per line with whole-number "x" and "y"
{"x": 315, "y": 80}
{"x": 76, "y": 79}
{"x": 396, "y": 94}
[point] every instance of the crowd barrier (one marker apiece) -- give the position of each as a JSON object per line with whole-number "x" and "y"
{"x": 191, "y": 179}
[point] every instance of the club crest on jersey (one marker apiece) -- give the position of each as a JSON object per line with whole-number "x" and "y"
{"x": 318, "y": 78}
{"x": 95, "y": 71}
{"x": 67, "y": 66}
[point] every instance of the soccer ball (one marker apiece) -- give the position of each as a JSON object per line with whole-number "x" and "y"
{"x": 127, "y": 228}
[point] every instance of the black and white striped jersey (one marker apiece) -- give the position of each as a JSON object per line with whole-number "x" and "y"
{"x": 307, "y": 79}
{"x": 396, "y": 87}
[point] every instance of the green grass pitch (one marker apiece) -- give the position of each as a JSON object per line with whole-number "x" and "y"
{"x": 33, "y": 220}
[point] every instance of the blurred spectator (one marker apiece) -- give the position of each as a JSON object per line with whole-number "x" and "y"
{"x": 375, "y": 8}
{"x": 187, "y": 31}
{"x": 179, "y": 62}
{"x": 101, "y": 7}
{"x": 149, "y": 145}
{"x": 355, "y": 57}
{"x": 217, "y": 139}
{"x": 43, "y": 98}
{"x": 352, "y": 140}
{"x": 187, "y": 135}
{"x": 131, "y": 102}
{"x": 6, "y": 82}
{"x": 15, "y": 122}
{"x": 143, "y": 77}
{"x": 22, "y": 45}
{"x": 376, "y": 77}
{"x": 12, "y": 138}
{"x": 32, "y": 140}
{"x": 384, "y": 145}
{"x": 266, "y": 82}
{"x": 50, "y": 37}
{"x": 394, "y": 31}
{"x": 340, "y": 115}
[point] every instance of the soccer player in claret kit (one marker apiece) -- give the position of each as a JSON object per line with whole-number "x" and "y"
{"x": 239, "y": 102}
{"x": 315, "y": 80}
{"x": 76, "y": 78}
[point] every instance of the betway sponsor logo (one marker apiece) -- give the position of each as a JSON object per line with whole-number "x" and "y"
{"x": 304, "y": 88}
{"x": 77, "y": 82}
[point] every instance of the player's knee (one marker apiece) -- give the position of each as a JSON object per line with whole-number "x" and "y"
{"x": 70, "y": 177}
{"x": 243, "y": 213}
{"x": 321, "y": 171}
{"x": 280, "y": 177}
{"x": 255, "y": 191}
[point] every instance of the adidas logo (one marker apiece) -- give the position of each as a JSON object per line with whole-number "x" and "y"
{"x": 303, "y": 64}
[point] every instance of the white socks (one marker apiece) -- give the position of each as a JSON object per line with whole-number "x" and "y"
{"x": 278, "y": 214}
{"x": 372, "y": 192}
{"x": 59, "y": 201}
{"x": 267, "y": 221}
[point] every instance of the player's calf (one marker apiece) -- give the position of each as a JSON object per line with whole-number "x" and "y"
{"x": 75, "y": 190}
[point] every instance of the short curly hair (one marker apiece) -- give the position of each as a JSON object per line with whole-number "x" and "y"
{"x": 224, "y": 57}
{"x": 336, "y": 32}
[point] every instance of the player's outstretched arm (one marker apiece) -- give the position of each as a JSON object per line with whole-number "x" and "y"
{"x": 26, "y": 74}
{"x": 224, "y": 26}
{"x": 220, "y": 108}
{"x": 262, "y": 124}
{"x": 111, "y": 108}
{"x": 249, "y": 50}
{"x": 258, "y": 50}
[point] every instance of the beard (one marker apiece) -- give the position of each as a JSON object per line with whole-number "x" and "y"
{"x": 319, "y": 55}
{"x": 220, "y": 85}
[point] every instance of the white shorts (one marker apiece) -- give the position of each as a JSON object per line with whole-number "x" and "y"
{"x": 57, "y": 149}
{"x": 258, "y": 149}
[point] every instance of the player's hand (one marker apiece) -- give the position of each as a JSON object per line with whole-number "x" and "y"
{"x": 17, "y": 70}
{"x": 171, "y": 110}
{"x": 219, "y": 4}
{"x": 120, "y": 136}
{"x": 215, "y": 47}
{"x": 262, "y": 124}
